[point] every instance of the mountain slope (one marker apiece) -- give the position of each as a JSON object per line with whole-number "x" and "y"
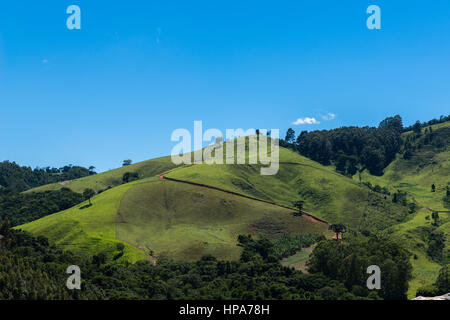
{"x": 162, "y": 218}
{"x": 112, "y": 178}
{"x": 327, "y": 194}
{"x": 428, "y": 164}
{"x": 184, "y": 221}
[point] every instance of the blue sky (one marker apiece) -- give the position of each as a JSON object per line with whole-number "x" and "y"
{"x": 137, "y": 70}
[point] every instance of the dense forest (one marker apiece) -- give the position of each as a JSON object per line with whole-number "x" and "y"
{"x": 31, "y": 268}
{"x": 25, "y": 207}
{"x": 14, "y": 178}
{"x": 353, "y": 149}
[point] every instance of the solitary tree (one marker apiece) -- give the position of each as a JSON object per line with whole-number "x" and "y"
{"x": 446, "y": 198}
{"x": 290, "y": 135}
{"x": 88, "y": 194}
{"x": 126, "y": 162}
{"x": 435, "y": 217}
{"x": 299, "y": 206}
{"x": 433, "y": 188}
{"x": 338, "y": 229}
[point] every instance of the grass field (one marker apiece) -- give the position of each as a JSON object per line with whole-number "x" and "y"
{"x": 327, "y": 194}
{"x": 412, "y": 234}
{"x": 91, "y": 230}
{"x": 186, "y": 222}
{"x": 162, "y": 218}
{"x": 298, "y": 260}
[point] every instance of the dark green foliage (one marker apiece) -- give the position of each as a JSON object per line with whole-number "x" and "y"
{"x": 417, "y": 128}
{"x": 299, "y": 206}
{"x": 347, "y": 262}
{"x": 14, "y": 178}
{"x": 126, "y": 162}
{"x": 288, "y": 244}
{"x": 349, "y": 147}
{"x": 290, "y": 135}
{"x": 446, "y": 198}
{"x": 427, "y": 291}
{"x": 400, "y": 198}
{"x": 429, "y": 123}
{"x": 436, "y": 245}
{"x": 338, "y": 228}
{"x": 130, "y": 176}
{"x": 31, "y": 269}
{"x": 443, "y": 280}
{"x": 88, "y": 194}
{"x": 22, "y": 208}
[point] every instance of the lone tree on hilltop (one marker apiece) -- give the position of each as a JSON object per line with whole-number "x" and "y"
{"x": 126, "y": 162}
{"x": 88, "y": 194}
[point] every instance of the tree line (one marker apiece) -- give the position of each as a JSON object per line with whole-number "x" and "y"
{"x": 15, "y": 178}
{"x": 350, "y": 148}
{"x": 353, "y": 149}
{"x": 31, "y": 268}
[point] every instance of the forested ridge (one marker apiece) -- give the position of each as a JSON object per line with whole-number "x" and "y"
{"x": 25, "y": 207}
{"x": 353, "y": 149}
{"x": 15, "y": 178}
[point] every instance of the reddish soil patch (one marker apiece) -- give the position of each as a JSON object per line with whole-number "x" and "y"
{"x": 313, "y": 219}
{"x": 64, "y": 182}
{"x": 339, "y": 236}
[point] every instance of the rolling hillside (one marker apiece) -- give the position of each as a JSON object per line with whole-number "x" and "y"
{"x": 162, "y": 218}
{"x": 429, "y": 164}
{"x": 112, "y": 178}
{"x": 186, "y": 212}
{"x": 327, "y": 194}
{"x": 209, "y": 207}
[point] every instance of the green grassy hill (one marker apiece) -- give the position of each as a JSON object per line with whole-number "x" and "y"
{"x": 429, "y": 164}
{"x": 112, "y": 178}
{"x": 181, "y": 220}
{"x": 157, "y": 218}
{"x": 200, "y": 209}
{"x": 327, "y": 194}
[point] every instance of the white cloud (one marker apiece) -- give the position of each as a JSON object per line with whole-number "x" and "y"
{"x": 328, "y": 116}
{"x": 306, "y": 120}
